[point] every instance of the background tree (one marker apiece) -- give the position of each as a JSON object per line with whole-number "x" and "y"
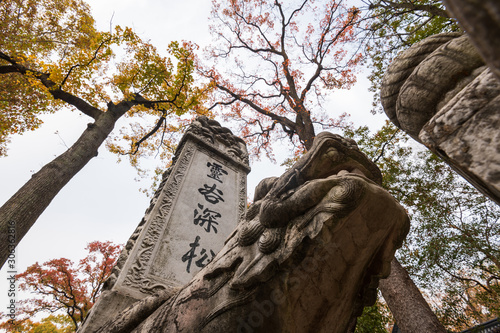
{"x": 50, "y": 324}
{"x": 279, "y": 58}
{"x": 375, "y": 319}
{"x": 51, "y": 56}
{"x": 26, "y": 34}
{"x": 59, "y": 285}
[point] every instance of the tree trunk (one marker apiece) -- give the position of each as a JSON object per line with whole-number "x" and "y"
{"x": 408, "y": 306}
{"x": 21, "y": 211}
{"x": 304, "y": 126}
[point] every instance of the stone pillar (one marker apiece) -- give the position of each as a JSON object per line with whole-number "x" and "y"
{"x": 196, "y": 207}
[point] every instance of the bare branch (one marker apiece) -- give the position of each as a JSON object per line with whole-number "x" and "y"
{"x": 273, "y": 116}
{"x": 385, "y": 145}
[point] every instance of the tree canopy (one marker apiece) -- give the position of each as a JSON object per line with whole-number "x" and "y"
{"x": 51, "y": 52}
{"x": 51, "y": 55}
{"x": 62, "y": 287}
{"x": 279, "y": 59}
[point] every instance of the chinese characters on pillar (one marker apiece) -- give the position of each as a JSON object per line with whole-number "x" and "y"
{"x": 216, "y": 171}
{"x": 206, "y": 216}
{"x": 190, "y": 255}
{"x": 211, "y": 193}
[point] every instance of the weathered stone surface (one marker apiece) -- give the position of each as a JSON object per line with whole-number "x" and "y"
{"x": 449, "y": 66}
{"x": 450, "y": 103}
{"x": 465, "y": 133}
{"x": 402, "y": 68}
{"x": 198, "y": 204}
{"x": 306, "y": 258}
{"x": 481, "y": 20}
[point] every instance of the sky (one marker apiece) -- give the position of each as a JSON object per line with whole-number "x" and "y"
{"x": 103, "y": 201}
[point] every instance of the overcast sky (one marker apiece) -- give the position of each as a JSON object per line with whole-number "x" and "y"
{"x": 103, "y": 202}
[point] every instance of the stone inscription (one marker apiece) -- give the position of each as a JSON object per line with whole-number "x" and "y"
{"x": 204, "y": 214}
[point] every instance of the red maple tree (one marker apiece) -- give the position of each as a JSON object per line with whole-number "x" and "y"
{"x": 61, "y": 285}
{"x": 271, "y": 62}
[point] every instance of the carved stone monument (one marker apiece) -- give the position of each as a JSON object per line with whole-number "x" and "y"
{"x": 442, "y": 94}
{"x": 198, "y": 204}
{"x": 306, "y": 258}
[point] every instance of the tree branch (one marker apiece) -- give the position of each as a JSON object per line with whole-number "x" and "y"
{"x": 53, "y": 88}
{"x": 8, "y": 69}
{"x": 88, "y": 63}
{"x": 273, "y": 116}
{"x": 384, "y": 146}
{"x": 463, "y": 278}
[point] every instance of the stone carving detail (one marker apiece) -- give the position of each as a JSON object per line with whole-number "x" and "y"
{"x": 242, "y": 197}
{"x": 441, "y": 93}
{"x": 306, "y": 258}
{"x": 220, "y": 137}
{"x": 109, "y": 283}
{"x": 167, "y": 249}
{"x": 481, "y": 20}
{"x": 136, "y": 274}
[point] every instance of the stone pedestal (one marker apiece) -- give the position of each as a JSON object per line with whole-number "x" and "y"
{"x": 198, "y": 204}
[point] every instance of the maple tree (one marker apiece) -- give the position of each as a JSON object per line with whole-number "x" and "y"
{"x": 51, "y": 324}
{"x": 61, "y": 286}
{"x": 272, "y": 62}
{"x": 52, "y": 56}
{"x": 278, "y": 60}
{"x": 26, "y": 34}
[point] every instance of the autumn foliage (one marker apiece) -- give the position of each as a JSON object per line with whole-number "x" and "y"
{"x": 52, "y": 56}
{"x": 34, "y": 32}
{"x": 61, "y": 286}
{"x": 272, "y": 61}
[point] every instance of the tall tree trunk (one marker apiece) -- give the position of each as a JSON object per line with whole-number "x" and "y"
{"x": 408, "y": 306}
{"x": 21, "y": 211}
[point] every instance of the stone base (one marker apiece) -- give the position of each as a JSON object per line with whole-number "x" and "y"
{"x": 109, "y": 303}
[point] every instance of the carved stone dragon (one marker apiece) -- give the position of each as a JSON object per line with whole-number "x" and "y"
{"x": 307, "y": 257}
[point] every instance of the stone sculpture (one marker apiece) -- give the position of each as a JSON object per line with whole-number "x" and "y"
{"x": 306, "y": 258}
{"x": 442, "y": 94}
{"x": 198, "y": 204}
